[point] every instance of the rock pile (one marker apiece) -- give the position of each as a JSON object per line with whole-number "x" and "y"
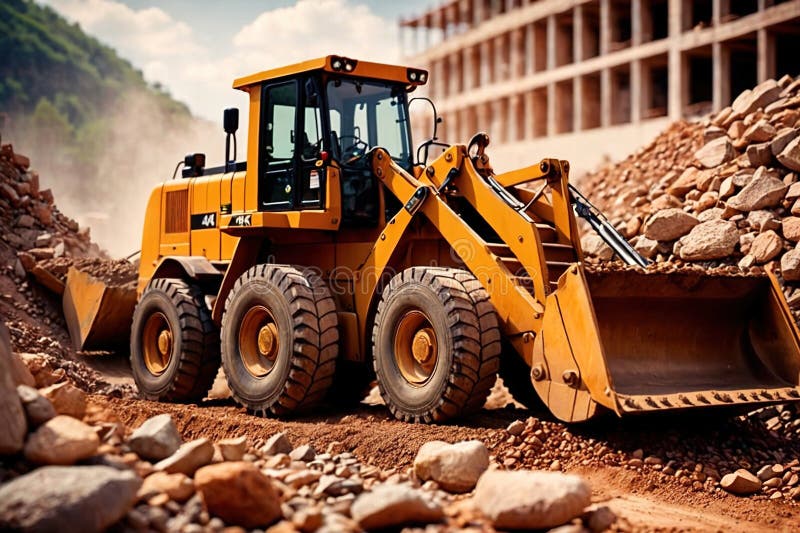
{"x": 722, "y": 190}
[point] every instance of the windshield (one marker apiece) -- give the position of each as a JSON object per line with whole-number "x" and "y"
{"x": 365, "y": 114}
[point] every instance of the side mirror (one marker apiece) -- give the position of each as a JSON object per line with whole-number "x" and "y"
{"x": 230, "y": 120}
{"x": 193, "y": 165}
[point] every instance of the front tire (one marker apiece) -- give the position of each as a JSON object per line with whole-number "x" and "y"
{"x": 280, "y": 339}
{"x": 436, "y": 344}
{"x": 174, "y": 343}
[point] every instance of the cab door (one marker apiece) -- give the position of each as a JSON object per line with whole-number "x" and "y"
{"x": 292, "y": 175}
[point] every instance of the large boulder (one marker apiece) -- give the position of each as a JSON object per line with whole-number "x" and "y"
{"x": 455, "y": 467}
{"x": 238, "y": 493}
{"x": 62, "y": 440}
{"x": 12, "y": 414}
{"x": 77, "y": 499}
{"x": 525, "y": 499}
{"x": 765, "y": 189}
{"x": 714, "y": 239}
{"x": 669, "y": 224}
{"x": 740, "y": 482}
{"x": 156, "y": 439}
{"x": 188, "y": 458}
{"x": 393, "y": 506}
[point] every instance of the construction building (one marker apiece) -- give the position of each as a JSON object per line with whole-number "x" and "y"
{"x": 589, "y": 79}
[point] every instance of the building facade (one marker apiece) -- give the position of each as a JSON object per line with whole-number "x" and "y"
{"x": 590, "y": 79}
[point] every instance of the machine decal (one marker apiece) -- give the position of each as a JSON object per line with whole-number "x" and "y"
{"x": 204, "y": 221}
{"x": 242, "y": 220}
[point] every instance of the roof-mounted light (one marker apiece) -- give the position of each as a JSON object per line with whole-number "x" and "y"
{"x": 343, "y": 63}
{"x": 417, "y": 76}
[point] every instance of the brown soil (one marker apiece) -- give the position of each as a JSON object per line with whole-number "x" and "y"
{"x": 642, "y": 502}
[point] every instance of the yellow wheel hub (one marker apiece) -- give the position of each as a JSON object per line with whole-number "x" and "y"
{"x": 416, "y": 348}
{"x": 157, "y": 343}
{"x": 259, "y": 342}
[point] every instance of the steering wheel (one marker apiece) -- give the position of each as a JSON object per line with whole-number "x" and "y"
{"x": 355, "y": 151}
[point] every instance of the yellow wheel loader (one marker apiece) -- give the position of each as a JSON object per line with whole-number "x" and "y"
{"x": 336, "y": 248}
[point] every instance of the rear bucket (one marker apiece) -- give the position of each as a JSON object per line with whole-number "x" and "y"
{"x": 645, "y": 341}
{"x": 98, "y": 316}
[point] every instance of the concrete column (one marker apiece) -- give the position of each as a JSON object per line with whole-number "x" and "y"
{"x": 577, "y": 33}
{"x": 485, "y": 62}
{"x": 577, "y": 103}
{"x": 605, "y": 26}
{"x": 719, "y": 8}
{"x": 605, "y": 97}
{"x": 677, "y": 67}
{"x": 551, "y": 42}
{"x": 721, "y": 64}
{"x": 636, "y": 22}
{"x": 515, "y": 118}
{"x": 466, "y": 68}
{"x": 530, "y": 49}
{"x": 529, "y": 115}
{"x": 766, "y": 54}
{"x": 517, "y": 54}
{"x": 636, "y": 91}
{"x": 552, "y": 115}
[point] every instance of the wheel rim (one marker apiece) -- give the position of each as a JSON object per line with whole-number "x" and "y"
{"x": 259, "y": 343}
{"x": 157, "y": 341}
{"x": 416, "y": 348}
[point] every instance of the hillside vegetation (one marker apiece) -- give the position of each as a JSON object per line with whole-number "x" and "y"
{"x": 100, "y": 135}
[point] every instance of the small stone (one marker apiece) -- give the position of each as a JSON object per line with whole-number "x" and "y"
{"x": 516, "y": 427}
{"x": 759, "y": 155}
{"x": 276, "y": 444}
{"x": 157, "y": 438}
{"x": 307, "y": 520}
{"x": 238, "y": 493}
{"x": 762, "y": 220}
{"x": 768, "y": 472}
{"x": 188, "y": 458}
{"x": 686, "y": 182}
{"x": 759, "y": 97}
{"x": 600, "y": 519}
{"x": 66, "y": 399}
{"x": 715, "y": 153}
{"x": 303, "y": 453}
{"x": 669, "y": 224}
{"x": 62, "y": 440}
{"x": 790, "y": 265}
{"x": 393, "y": 506}
{"x": 455, "y": 467}
{"x": 38, "y": 409}
{"x": 524, "y": 499}
{"x": 179, "y": 487}
{"x": 759, "y": 132}
{"x": 233, "y": 449}
{"x": 593, "y": 245}
{"x": 72, "y": 499}
{"x": 740, "y": 482}
{"x": 782, "y": 139}
{"x": 646, "y": 247}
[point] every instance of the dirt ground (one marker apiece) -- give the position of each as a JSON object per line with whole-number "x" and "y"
{"x": 641, "y": 502}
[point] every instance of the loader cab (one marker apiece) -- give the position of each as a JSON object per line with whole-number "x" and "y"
{"x": 318, "y": 124}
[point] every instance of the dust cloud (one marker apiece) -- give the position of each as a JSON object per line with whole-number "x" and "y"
{"x": 106, "y": 183}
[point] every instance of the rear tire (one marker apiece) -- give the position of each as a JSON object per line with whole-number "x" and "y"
{"x": 280, "y": 339}
{"x": 174, "y": 343}
{"x": 436, "y": 344}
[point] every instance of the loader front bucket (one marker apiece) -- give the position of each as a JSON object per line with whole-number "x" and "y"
{"x": 637, "y": 341}
{"x": 98, "y": 316}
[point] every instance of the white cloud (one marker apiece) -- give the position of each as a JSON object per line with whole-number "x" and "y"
{"x": 147, "y": 33}
{"x": 200, "y": 73}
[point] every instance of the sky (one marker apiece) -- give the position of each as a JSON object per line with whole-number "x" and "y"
{"x": 196, "y": 48}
